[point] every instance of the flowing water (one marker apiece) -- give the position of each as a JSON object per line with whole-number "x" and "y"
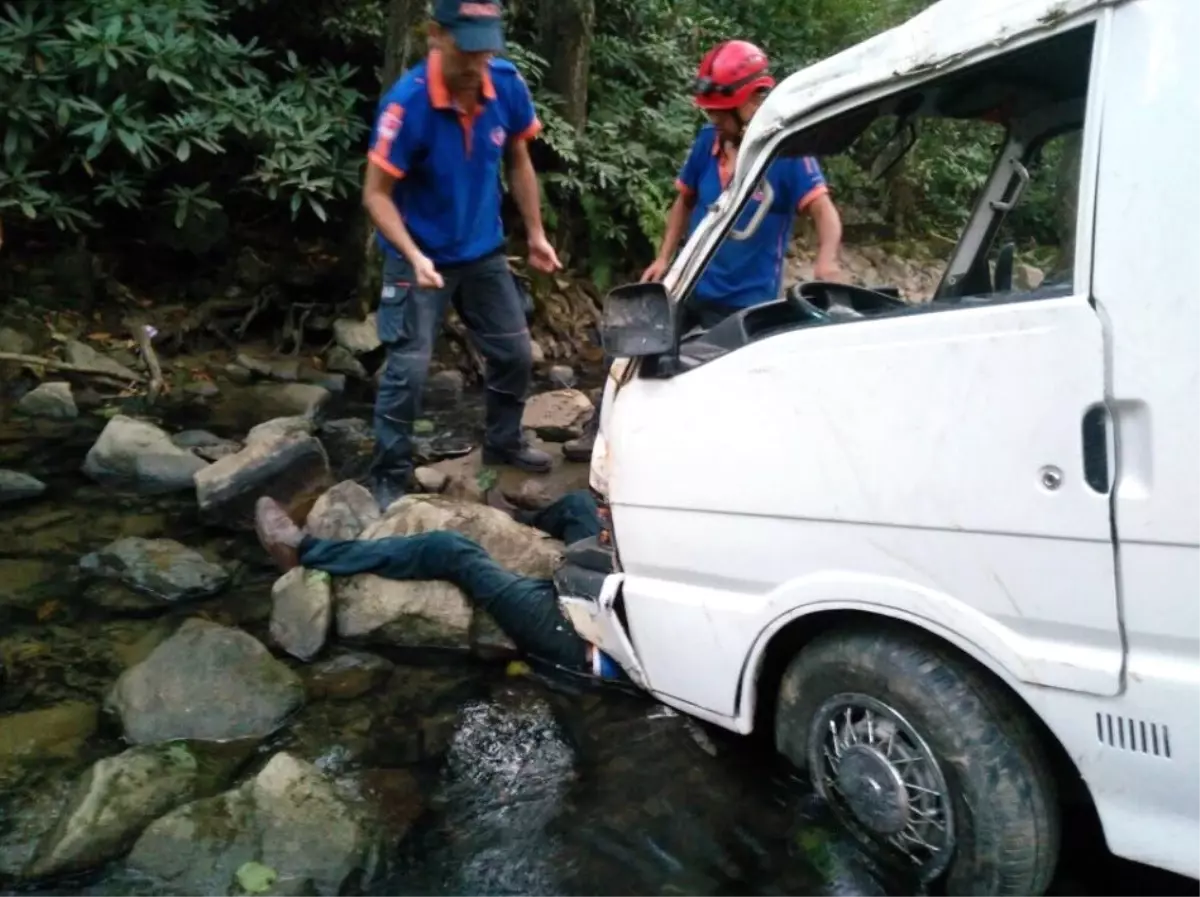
{"x": 515, "y": 785}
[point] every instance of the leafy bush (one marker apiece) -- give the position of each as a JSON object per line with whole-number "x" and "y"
{"x": 145, "y": 104}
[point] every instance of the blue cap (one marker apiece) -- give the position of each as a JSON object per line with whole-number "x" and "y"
{"x": 476, "y": 25}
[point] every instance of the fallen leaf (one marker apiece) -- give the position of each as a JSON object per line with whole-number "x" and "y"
{"x": 99, "y": 336}
{"x": 48, "y": 610}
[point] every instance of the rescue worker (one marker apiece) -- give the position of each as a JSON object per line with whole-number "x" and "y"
{"x": 432, "y": 188}
{"x": 730, "y": 85}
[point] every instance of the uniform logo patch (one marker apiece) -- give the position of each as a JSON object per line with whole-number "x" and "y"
{"x": 390, "y": 122}
{"x": 479, "y": 11}
{"x": 758, "y": 196}
{"x": 498, "y": 135}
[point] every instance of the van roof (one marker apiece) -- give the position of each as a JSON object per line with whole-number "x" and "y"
{"x": 946, "y": 32}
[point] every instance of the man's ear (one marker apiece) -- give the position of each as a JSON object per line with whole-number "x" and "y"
{"x": 434, "y": 36}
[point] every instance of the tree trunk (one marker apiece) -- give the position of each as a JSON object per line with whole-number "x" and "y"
{"x": 566, "y": 36}
{"x": 405, "y": 43}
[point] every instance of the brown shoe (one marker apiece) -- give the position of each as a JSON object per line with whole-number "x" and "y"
{"x": 278, "y": 533}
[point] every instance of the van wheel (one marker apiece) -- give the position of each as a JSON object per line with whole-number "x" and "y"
{"x": 923, "y": 759}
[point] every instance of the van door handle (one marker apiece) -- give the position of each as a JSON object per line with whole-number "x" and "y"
{"x": 1095, "y": 448}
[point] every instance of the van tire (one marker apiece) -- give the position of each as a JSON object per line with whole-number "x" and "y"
{"x": 1002, "y": 794}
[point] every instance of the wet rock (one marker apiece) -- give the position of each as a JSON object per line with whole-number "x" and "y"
{"x": 341, "y": 360}
{"x": 14, "y": 342}
{"x": 350, "y": 443}
{"x": 194, "y": 439}
{"x": 562, "y": 376}
{"x": 538, "y": 353}
{"x": 301, "y": 608}
{"x": 430, "y": 479}
{"x": 112, "y": 803}
{"x": 138, "y": 455}
{"x": 202, "y": 389}
{"x": 394, "y": 798}
{"x": 531, "y": 495}
{"x": 16, "y": 486}
{"x": 348, "y": 676}
{"x": 159, "y": 568}
{"x": 521, "y": 549}
{"x": 55, "y": 732}
{"x": 412, "y": 613}
{"x": 488, "y": 640}
{"x": 28, "y": 816}
{"x": 289, "y": 399}
{"x": 52, "y": 401}
{"x": 290, "y": 467}
{"x": 238, "y": 374}
{"x": 289, "y": 818}
{"x": 331, "y": 382}
{"x": 281, "y": 426}
{"x": 286, "y": 369}
{"x": 559, "y": 415}
{"x": 24, "y": 580}
{"x": 342, "y": 513}
{"x": 85, "y": 356}
{"x": 1027, "y": 277}
{"x": 444, "y": 389}
{"x": 468, "y": 475}
{"x": 206, "y": 682}
{"x": 357, "y": 337}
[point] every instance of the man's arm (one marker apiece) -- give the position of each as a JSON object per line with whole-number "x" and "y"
{"x": 524, "y": 185}
{"x": 677, "y": 222}
{"x": 829, "y": 237}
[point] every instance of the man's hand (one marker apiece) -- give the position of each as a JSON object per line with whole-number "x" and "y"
{"x": 827, "y": 271}
{"x": 542, "y": 256}
{"x": 657, "y": 270}
{"x": 426, "y": 274}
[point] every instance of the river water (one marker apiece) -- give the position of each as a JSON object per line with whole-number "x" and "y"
{"x": 521, "y": 785}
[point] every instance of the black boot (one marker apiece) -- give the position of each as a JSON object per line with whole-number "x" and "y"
{"x": 525, "y": 458}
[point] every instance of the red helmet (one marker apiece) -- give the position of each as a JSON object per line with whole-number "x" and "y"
{"x": 729, "y": 74}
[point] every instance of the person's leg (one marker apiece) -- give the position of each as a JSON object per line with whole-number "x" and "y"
{"x": 525, "y": 608}
{"x": 408, "y": 321}
{"x": 491, "y": 308}
{"x": 571, "y": 518}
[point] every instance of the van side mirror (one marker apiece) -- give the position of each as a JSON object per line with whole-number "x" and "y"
{"x": 638, "y": 321}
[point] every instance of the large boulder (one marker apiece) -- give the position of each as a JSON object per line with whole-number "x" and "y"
{"x": 287, "y": 465}
{"x": 357, "y": 337}
{"x": 112, "y": 803}
{"x": 342, "y": 513}
{"x": 158, "y": 568}
{"x": 301, "y": 609}
{"x": 16, "y": 486}
{"x": 133, "y": 454}
{"x": 205, "y": 682}
{"x": 405, "y": 613}
{"x": 558, "y": 415}
{"x": 289, "y": 818}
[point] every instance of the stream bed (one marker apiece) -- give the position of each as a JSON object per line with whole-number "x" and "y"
{"x": 501, "y": 782}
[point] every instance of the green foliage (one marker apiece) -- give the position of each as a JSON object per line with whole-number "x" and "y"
{"x": 142, "y": 104}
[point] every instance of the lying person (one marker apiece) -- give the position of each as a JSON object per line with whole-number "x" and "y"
{"x": 525, "y": 608}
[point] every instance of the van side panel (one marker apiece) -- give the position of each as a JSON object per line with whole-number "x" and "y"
{"x": 1147, "y": 285}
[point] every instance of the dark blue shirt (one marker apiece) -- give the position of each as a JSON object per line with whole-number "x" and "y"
{"x": 446, "y": 160}
{"x": 748, "y": 272}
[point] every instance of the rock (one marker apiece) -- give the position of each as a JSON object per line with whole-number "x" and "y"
{"x": 537, "y": 352}
{"x": 16, "y": 486}
{"x": 521, "y": 549}
{"x": 348, "y": 676}
{"x": 333, "y": 383}
{"x": 288, "y": 818}
{"x": 410, "y": 613}
{"x": 430, "y": 479}
{"x": 342, "y": 513}
{"x": 194, "y": 439}
{"x": 350, "y": 443}
{"x": 288, "y": 399}
{"x": 291, "y": 468}
{"x": 286, "y": 369}
{"x": 14, "y": 342}
{"x": 1027, "y": 278}
{"x": 55, "y": 732}
{"x": 24, "y": 581}
{"x": 238, "y": 374}
{"x": 202, "y": 389}
{"x": 341, "y": 360}
{"x": 301, "y": 608}
{"x": 357, "y": 337}
{"x": 559, "y": 415}
{"x": 160, "y": 568}
{"x": 562, "y": 376}
{"x": 53, "y": 401}
{"x": 134, "y": 454}
{"x": 444, "y": 389}
{"x": 206, "y": 682}
{"x": 468, "y": 475}
{"x": 488, "y": 640}
{"x": 85, "y": 356}
{"x": 112, "y": 803}
{"x": 531, "y": 495}
{"x": 281, "y": 426}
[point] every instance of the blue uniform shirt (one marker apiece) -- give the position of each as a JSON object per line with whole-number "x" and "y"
{"x": 747, "y": 272}
{"x": 447, "y": 161}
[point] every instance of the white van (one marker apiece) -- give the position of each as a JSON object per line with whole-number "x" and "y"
{"x": 947, "y": 554}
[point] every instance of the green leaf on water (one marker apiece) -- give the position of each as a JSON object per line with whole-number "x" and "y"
{"x": 255, "y": 878}
{"x": 422, "y": 426}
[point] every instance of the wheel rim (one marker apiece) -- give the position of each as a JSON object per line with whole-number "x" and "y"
{"x": 881, "y": 779}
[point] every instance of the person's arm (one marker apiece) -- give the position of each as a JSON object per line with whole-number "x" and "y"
{"x": 687, "y": 183}
{"x": 522, "y": 179}
{"x": 524, "y": 185}
{"x": 386, "y": 162}
{"x": 814, "y": 199}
